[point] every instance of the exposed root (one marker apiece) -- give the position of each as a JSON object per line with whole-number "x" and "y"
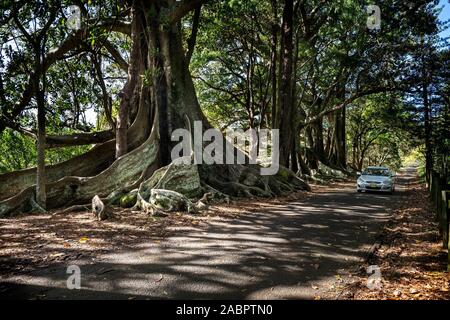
{"x": 75, "y": 208}
{"x": 176, "y": 187}
{"x": 91, "y": 163}
{"x": 19, "y": 203}
{"x": 124, "y": 174}
{"x": 99, "y": 209}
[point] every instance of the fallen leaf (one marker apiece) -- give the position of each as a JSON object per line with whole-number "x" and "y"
{"x": 55, "y": 255}
{"x": 83, "y": 240}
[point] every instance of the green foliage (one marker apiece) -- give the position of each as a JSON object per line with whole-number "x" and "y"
{"x": 336, "y": 58}
{"x": 377, "y": 132}
{"x": 18, "y": 152}
{"x": 74, "y": 97}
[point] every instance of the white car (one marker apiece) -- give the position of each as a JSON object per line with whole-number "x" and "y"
{"x": 376, "y": 179}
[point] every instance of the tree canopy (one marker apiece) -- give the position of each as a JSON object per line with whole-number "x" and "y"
{"x": 88, "y": 89}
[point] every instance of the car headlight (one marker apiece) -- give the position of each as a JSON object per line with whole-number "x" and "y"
{"x": 360, "y": 180}
{"x": 387, "y": 182}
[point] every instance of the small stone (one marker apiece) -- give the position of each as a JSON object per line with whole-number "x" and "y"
{"x": 201, "y": 206}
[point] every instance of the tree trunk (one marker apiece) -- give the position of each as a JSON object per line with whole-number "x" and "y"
{"x": 426, "y": 111}
{"x": 318, "y": 140}
{"x": 130, "y": 93}
{"x": 285, "y": 86}
{"x": 294, "y": 163}
{"x": 340, "y": 156}
{"x": 41, "y": 195}
{"x": 161, "y": 85}
{"x": 273, "y": 64}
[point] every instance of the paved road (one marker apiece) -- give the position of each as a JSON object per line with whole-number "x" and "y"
{"x": 297, "y": 250}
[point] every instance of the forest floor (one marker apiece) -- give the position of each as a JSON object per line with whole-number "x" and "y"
{"x": 305, "y": 245}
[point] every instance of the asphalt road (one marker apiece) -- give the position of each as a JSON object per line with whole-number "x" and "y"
{"x": 299, "y": 250}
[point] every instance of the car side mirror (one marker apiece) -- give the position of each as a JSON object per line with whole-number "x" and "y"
{"x": 358, "y": 173}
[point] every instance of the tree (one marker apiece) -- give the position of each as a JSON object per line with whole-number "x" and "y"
{"x": 118, "y": 87}
{"x": 284, "y": 111}
{"x": 158, "y": 97}
{"x": 379, "y": 129}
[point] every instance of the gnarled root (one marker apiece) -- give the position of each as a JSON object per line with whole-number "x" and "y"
{"x": 99, "y": 209}
{"x": 123, "y": 175}
{"x": 176, "y": 187}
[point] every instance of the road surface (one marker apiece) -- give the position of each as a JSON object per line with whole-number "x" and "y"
{"x": 298, "y": 250}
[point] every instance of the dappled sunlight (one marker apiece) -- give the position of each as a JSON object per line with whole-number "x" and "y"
{"x": 278, "y": 250}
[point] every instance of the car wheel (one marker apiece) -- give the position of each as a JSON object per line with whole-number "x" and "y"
{"x": 359, "y": 190}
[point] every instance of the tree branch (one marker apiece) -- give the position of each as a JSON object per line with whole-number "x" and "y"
{"x": 116, "y": 55}
{"x": 192, "y": 39}
{"x": 356, "y": 96}
{"x": 183, "y": 9}
{"x": 78, "y": 139}
{"x": 54, "y": 55}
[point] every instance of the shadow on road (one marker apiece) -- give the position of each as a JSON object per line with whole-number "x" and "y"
{"x": 297, "y": 250}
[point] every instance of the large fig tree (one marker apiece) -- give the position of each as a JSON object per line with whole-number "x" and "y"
{"x": 157, "y": 98}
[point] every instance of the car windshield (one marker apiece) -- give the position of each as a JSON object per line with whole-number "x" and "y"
{"x": 376, "y": 172}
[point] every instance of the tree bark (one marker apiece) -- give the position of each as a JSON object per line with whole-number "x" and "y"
{"x": 41, "y": 196}
{"x": 164, "y": 91}
{"x": 193, "y": 38}
{"x": 273, "y": 63}
{"x": 285, "y": 90}
{"x": 339, "y": 140}
{"x": 427, "y": 122}
{"x": 134, "y": 71}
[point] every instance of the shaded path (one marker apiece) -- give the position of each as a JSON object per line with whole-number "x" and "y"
{"x": 298, "y": 250}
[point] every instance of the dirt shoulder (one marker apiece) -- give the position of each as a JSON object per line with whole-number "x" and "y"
{"x": 410, "y": 256}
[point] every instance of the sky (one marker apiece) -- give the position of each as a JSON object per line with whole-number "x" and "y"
{"x": 445, "y": 15}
